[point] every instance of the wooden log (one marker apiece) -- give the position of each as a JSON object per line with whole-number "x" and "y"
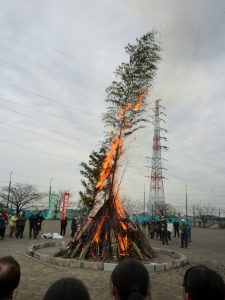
{"x": 137, "y": 249}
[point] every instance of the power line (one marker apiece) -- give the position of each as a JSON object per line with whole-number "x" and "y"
{"x": 48, "y": 113}
{"x": 35, "y": 119}
{"x": 35, "y": 149}
{"x": 48, "y": 99}
{"x": 41, "y": 135}
{"x": 49, "y": 45}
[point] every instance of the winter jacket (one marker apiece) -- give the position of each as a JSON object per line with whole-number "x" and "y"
{"x": 2, "y": 222}
{"x": 74, "y": 225}
{"x": 12, "y": 221}
{"x": 21, "y": 221}
{"x": 33, "y": 220}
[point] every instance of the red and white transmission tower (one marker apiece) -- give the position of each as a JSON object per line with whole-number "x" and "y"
{"x": 156, "y": 192}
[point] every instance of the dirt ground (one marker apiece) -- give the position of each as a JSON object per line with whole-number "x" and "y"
{"x": 208, "y": 248}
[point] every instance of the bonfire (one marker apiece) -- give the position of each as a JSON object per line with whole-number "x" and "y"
{"x": 107, "y": 232}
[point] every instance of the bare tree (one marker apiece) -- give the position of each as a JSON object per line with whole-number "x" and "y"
{"x": 21, "y": 195}
{"x": 205, "y": 213}
{"x": 58, "y": 201}
{"x": 131, "y": 206}
{"x": 161, "y": 208}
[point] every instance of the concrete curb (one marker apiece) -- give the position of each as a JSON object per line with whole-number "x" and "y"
{"x": 178, "y": 260}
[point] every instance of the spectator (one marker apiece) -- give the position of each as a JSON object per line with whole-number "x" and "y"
{"x": 9, "y": 277}
{"x": 189, "y": 234}
{"x": 12, "y": 224}
{"x": 184, "y": 234}
{"x": 176, "y": 226}
{"x": 33, "y": 225}
{"x": 130, "y": 280}
{"x": 5, "y": 216}
{"x": 2, "y": 226}
{"x": 67, "y": 289}
{"x": 152, "y": 229}
{"x": 202, "y": 283}
{"x": 63, "y": 226}
{"x": 144, "y": 225}
{"x": 169, "y": 230}
{"x": 163, "y": 226}
{"x": 20, "y": 225}
{"x": 73, "y": 226}
{"x": 157, "y": 229}
{"x": 40, "y": 219}
{"x": 137, "y": 223}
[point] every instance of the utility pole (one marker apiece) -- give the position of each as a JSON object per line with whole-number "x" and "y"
{"x": 144, "y": 202}
{"x": 9, "y": 190}
{"x": 194, "y": 214}
{"x": 186, "y": 203}
{"x": 50, "y": 191}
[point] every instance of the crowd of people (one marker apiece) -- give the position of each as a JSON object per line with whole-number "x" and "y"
{"x": 163, "y": 230}
{"x": 155, "y": 229}
{"x": 16, "y": 224}
{"x": 130, "y": 280}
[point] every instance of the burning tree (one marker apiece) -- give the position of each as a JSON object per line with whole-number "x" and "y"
{"x": 106, "y": 233}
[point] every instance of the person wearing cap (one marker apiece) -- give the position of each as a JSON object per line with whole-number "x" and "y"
{"x": 20, "y": 225}
{"x": 184, "y": 234}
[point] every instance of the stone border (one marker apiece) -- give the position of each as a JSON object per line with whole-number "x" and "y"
{"x": 180, "y": 261}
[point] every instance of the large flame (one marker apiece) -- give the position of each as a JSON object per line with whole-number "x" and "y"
{"x": 98, "y": 232}
{"x": 139, "y": 103}
{"x": 123, "y": 110}
{"x": 117, "y": 142}
{"x": 118, "y": 212}
{"x": 107, "y": 164}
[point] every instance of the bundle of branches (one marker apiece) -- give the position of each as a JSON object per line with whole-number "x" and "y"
{"x": 106, "y": 233}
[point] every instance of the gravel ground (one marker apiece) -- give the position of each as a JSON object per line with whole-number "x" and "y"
{"x": 208, "y": 248}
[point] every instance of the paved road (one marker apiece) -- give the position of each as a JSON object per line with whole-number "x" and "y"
{"x": 207, "y": 248}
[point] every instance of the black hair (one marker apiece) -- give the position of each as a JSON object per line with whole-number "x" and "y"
{"x": 9, "y": 276}
{"x": 202, "y": 283}
{"x": 67, "y": 289}
{"x": 131, "y": 280}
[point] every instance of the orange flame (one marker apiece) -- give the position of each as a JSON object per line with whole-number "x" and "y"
{"x": 97, "y": 233}
{"x": 106, "y": 169}
{"x": 123, "y": 244}
{"x": 107, "y": 164}
{"x": 139, "y": 103}
{"x": 123, "y": 111}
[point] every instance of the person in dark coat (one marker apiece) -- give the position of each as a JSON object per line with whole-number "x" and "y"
{"x": 73, "y": 226}
{"x": 176, "y": 226}
{"x": 20, "y": 225}
{"x": 184, "y": 233}
{"x": 33, "y": 225}
{"x": 40, "y": 219}
{"x": 163, "y": 226}
{"x": 2, "y": 226}
{"x": 63, "y": 226}
{"x": 5, "y": 216}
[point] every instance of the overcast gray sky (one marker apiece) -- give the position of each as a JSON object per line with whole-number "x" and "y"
{"x": 58, "y": 57}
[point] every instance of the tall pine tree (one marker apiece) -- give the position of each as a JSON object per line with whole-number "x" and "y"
{"x": 126, "y": 99}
